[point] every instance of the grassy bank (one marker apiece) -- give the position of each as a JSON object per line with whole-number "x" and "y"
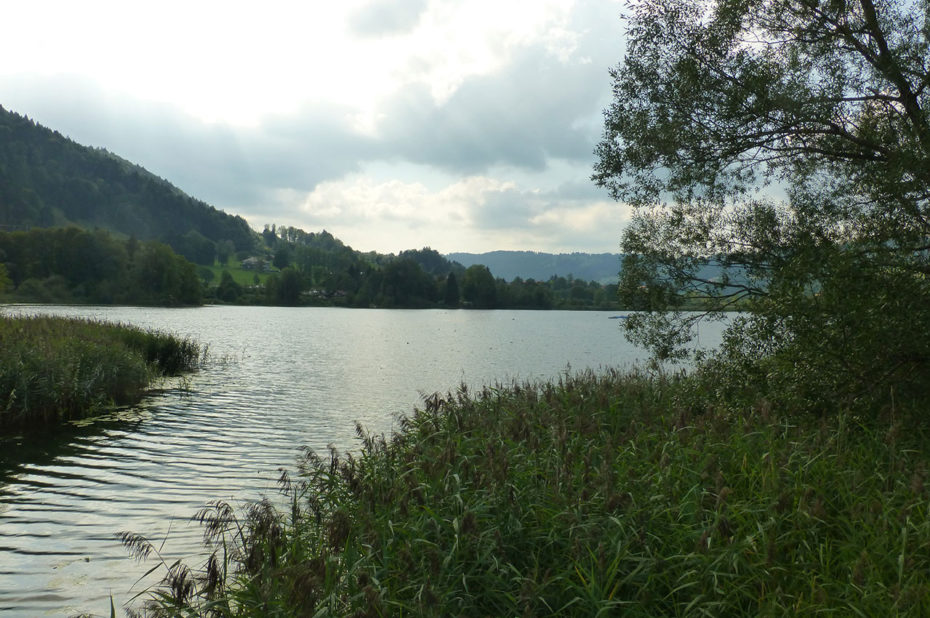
{"x": 592, "y": 496}
{"x": 57, "y": 369}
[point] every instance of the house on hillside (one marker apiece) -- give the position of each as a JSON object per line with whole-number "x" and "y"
{"x": 257, "y": 264}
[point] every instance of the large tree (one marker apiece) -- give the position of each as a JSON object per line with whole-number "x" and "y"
{"x": 776, "y": 154}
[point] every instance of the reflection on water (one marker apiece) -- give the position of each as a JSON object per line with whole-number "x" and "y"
{"x": 279, "y": 379}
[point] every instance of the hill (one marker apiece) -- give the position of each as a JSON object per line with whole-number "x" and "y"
{"x": 508, "y": 265}
{"x": 49, "y": 180}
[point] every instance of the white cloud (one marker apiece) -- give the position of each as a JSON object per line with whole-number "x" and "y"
{"x": 237, "y": 62}
{"x": 476, "y": 213}
{"x": 363, "y": 200}
{"x": 458, "y": 40}
{"x": 392, "y": 123}
{"x": 381, "y": 18}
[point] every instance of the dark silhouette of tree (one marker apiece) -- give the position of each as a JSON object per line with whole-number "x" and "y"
{"x": 289, "y": 287}
{"x": 228, "y": 290}
{"x": 478, "y": 287}
{"x": 282, "y": 257}
{"x": 451, "y": 295}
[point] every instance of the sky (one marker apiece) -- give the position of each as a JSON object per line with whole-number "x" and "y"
{"x": 462, "y": 125}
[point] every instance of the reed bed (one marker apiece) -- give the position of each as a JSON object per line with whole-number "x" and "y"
{"x": 598, "y": 494}
{"x": 56, "y": 369}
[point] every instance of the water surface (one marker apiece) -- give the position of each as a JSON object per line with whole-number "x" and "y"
{"x": 278, "y": 379}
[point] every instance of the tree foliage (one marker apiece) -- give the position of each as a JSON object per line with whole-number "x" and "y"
{"x": 4, "y": 278}
{"x": 73, "y": 265}
{"x": 478, "y": 287}
{"x": 328, "y": 272}
{"x": 787, "y": 142}
{"x": 228, "y": 290}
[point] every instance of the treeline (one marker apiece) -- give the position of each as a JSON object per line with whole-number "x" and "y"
{"x": 49, "y": 180}
{"x": 295, "y": 268}
{"x": 73, "y": 265}
{"x": 318, "y": 269}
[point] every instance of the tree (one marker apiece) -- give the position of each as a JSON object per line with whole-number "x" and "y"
{"x": 282, "y": 257}
{"x": 194, "y": 246}
{"x": 228, "y": 290}
{"x": 776, "y": 154}
{"x": 160, "y": 276}
{"x": 451, "y": 295}
{"x": 224, "y": 250}
{"x": 4, "y": 279}
{"x": 478, "y": 287}
{"x": 289, "y": 287}
{"x": 431, "y": 261}
{"x": 269, "y": 235}
{"x": 405, "y": 284}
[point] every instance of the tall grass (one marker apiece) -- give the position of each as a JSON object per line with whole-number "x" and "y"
{"x": 56, "y": 369}
{"x": 595, "y": 495}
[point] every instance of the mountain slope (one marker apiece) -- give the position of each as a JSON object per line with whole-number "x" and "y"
{"x": 508, "y": 265}
{"x": 49, "y": 180}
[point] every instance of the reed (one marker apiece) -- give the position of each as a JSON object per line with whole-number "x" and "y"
{"x": 56, "y": 369}
{"x": 590, "y": 496}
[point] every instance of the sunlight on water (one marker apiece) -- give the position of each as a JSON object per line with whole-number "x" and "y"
{"x": 278, "y": 379}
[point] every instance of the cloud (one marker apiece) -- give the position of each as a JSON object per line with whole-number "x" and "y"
{"x": 544, "y": 103}
{"x": 484, "y": 137}
{"x": 475, "y": 213}
{"x": 551, "y": 218}
{"x": 361, "y": 199}
{"x": 386, "y": 17}
{"x": 520, "y": 117}
{"x": 485, "y": 83}
{"x": 230, "y": 167}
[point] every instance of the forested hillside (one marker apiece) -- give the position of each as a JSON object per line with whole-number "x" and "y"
{"x": 80, "y": 224}
{"x": 49, "y": 180}
{"x": 508, "y": 265}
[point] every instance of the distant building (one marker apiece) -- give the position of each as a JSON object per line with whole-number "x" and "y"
{"x": 256, "y": 263}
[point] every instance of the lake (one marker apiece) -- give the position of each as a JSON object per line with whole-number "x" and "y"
{"x": 277, "y": 379}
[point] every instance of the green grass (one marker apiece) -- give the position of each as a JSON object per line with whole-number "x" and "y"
{"x": 593, "y": 496}
{"x": 58, "y": 369}
{"x": 245, "y": 278}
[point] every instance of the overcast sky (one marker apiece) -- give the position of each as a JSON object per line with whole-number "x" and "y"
{"x": 464, "y": 125}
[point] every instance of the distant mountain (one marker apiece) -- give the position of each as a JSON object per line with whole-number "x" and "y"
{"x": 49, "y": 180}
{"x": 508, "y": 265}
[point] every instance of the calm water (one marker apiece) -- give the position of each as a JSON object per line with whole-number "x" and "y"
{"x": 278, "y": 379}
